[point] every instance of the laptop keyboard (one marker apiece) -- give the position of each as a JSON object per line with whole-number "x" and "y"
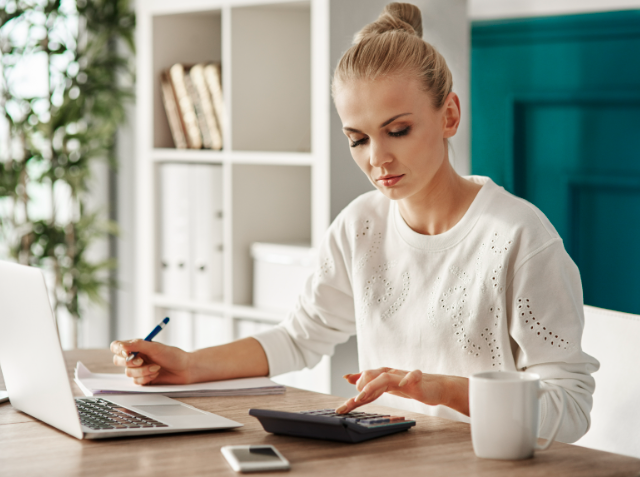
{"x": 100, "y": 414}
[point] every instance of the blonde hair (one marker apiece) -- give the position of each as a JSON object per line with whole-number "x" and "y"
{"x": 393, "y": 45}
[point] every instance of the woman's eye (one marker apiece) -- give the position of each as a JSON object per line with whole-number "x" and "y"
{"x": 402, "y": 132}
{"x": 358, "y": 142}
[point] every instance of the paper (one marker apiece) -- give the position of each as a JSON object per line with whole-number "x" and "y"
{"x": 93, "y": 384}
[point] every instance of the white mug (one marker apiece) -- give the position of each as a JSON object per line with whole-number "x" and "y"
{"x": 504, "y": 409}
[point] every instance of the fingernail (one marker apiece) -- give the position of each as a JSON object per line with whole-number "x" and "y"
{"x": 154, "y": 368}
{"x": 137, "y": 361}
{"x": 402, "y": 382}
{"x": 360, "y": 396}
{"x": 346, "y": 376}
{"x": 341, "y": 409}
{"x": 124, "y": 353}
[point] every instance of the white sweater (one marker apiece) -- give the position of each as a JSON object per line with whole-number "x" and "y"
{"x": 497, "y": 291}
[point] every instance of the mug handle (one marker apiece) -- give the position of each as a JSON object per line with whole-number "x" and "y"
{"x": 556, "y": 427}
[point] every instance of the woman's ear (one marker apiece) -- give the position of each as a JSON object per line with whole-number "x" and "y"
{"x": 451, "y": 115}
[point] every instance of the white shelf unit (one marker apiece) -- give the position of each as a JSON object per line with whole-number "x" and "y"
{"x": 286, "y": 166}
{"x": 275, "y": 186}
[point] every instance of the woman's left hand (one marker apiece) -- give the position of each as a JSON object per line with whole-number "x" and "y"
{"x": 431, "y": 389}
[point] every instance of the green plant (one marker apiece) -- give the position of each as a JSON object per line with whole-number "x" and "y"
{"x": 53, "y": 137}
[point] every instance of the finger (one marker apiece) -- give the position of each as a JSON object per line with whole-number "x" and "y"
{"x": 120, "y": 361}
{"x": 142, "y": 371}
{"x": 352, "y": 378}
{"x": 148, "y": 348}
{"x": 377, "y": 386}
{"x": 135, "y": 362}
{"x": 369, "y": 375}
{"x": 348, "y": 406}
{"x": 145, "y": 379}
{"x": 115, "y": 347}
{"x": 411, "y": 378}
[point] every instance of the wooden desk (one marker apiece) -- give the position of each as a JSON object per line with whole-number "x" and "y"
{"x": 434, "y": 447}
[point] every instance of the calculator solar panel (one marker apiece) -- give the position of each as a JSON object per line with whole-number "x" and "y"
{"x": 326, "y": 424}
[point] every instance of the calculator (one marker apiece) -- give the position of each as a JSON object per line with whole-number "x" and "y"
{"x": 326, "y": 424}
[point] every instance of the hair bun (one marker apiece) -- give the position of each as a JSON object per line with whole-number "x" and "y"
{"x": 395, "y": 16}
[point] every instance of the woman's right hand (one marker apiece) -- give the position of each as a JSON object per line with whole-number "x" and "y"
{"x": 155, "y": 363}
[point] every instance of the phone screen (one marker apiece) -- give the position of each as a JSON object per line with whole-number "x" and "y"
{"x": 256, "y": 454}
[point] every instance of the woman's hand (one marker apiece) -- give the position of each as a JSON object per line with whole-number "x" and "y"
{"x": 155, "y": 363}
{"x": 431, "y": 389}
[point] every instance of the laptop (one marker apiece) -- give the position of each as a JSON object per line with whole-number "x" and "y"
{"x": 36, "y": 378}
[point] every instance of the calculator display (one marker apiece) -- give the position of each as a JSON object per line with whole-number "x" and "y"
{"x": 255, "y": 454}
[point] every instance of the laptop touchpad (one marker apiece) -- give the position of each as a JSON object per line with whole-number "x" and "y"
{"x": 168, "y": 410}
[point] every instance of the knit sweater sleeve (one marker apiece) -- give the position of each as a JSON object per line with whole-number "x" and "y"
{"x": 546, "y": 324}
{"x": 324, "y": 315}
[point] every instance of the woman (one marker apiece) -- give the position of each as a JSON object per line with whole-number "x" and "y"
{"x": 436, "y": 273}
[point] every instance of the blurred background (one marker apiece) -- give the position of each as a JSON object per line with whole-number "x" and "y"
{"x": 184, "y": 160}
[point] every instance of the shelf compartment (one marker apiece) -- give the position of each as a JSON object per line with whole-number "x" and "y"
{"x": 269, "y": 204}
{"x": 271, "y": 77}
{"x": 186, "y": 38}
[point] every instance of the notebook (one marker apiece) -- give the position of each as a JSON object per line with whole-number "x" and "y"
{"x": 94, "y": 384}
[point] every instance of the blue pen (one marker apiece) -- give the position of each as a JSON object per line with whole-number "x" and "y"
{"x": 150, "y": 336}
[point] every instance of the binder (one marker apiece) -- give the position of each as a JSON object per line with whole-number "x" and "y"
{"x": 191, "y": 246}
{"x": 205, "y": 187}
{"x": 174, "y": 225}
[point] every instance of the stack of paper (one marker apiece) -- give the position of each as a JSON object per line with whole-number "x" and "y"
{"x": 93, "y": 384}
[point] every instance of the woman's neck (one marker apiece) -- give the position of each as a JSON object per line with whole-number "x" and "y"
{"x": 440, "y": 205}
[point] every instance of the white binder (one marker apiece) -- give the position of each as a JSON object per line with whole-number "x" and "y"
{"x": 205, "y": 188}
{"x": 174, "y": 224}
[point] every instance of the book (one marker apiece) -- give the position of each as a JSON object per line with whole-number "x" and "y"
{"x": 213, "y": 78}
{"x": 185, "y": 106}
{"x": 171, "y": 109}
{"x": 94, "y": 384}
{"x": 204, "y": 108}
{"x": 205, "y": 133}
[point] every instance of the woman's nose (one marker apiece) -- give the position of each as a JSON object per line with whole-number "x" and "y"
{"x": 378, "y": 156}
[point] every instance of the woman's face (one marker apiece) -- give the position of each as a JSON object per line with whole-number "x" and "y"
{"x": 396, "y": 136}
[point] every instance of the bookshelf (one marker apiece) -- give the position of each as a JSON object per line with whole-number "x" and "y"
{"x": 286, "y": 170}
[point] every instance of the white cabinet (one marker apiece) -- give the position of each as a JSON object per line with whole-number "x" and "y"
{"x": 285, "y": 165}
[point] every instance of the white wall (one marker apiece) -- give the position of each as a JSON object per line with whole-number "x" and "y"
{"x": 497, "y": 9}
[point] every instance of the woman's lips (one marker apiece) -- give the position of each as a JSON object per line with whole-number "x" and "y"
{"x": 389, "y": 181}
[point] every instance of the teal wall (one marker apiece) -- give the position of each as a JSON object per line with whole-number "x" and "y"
{"x": 556, "y": 120}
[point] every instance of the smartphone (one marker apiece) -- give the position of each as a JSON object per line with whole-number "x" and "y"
{"x": 254, "y": 458}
